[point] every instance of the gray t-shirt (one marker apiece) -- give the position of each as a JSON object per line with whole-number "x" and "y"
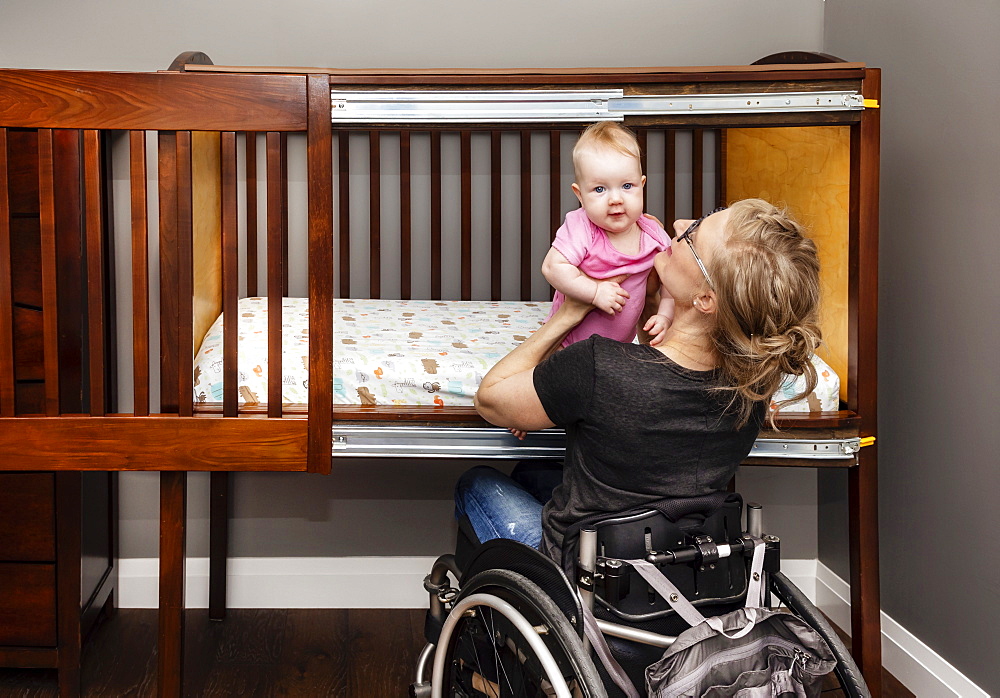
{"x": 639, "y": 428}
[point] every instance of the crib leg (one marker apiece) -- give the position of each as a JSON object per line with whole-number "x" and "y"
{"x": 170, "y": 643}
{"x": 218, "y": 545}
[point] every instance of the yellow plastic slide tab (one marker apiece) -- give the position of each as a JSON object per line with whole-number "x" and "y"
{"x": 871, "y": 104}
{"x": 866, "y": 441}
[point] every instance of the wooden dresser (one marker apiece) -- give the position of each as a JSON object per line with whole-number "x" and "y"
{"x": 58, "y": 531}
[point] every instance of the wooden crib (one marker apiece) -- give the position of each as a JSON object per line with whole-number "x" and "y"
{"x": 203, "y": 167}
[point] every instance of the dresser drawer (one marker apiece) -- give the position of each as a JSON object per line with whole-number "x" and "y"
{"x": 27, "y": 604}
{"x": 27, "y": 518}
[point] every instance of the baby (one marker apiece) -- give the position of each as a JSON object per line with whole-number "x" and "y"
{"x": 604, "y": 251}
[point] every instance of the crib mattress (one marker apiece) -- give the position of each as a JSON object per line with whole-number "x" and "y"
{"x": 398, "y": 352}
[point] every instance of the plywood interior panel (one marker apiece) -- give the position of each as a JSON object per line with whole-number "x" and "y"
{"x": 806, "y": 169}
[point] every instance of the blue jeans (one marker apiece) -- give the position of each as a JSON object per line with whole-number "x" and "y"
{"x": 499, "y": 506}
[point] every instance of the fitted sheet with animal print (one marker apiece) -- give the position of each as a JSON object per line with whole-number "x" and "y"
{"x": 396, "y": 352}
{"x": 386, "y": 352}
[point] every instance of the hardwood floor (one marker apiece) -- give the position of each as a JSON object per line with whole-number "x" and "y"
{"x": 254, "y": 652}
{"x": 363, "y": 653}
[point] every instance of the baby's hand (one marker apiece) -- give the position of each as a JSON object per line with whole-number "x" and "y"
{"x": 656, "y": 327}
{"x": 520, "y": 434}
{"x": 610, "y": 297}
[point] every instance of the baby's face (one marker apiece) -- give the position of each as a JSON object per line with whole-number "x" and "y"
{"x": 609, "y": 188}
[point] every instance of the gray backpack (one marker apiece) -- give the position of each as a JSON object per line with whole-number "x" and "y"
{"x": 752, "y": 652}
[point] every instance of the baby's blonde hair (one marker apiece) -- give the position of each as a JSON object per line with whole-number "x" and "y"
{"x": 605, "y": 134}
{"x": 766, "y": 278}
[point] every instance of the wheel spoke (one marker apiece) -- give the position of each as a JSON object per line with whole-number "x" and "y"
{"x": 496, "y": 652}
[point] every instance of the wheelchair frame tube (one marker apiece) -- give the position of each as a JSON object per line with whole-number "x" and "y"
{"x": 634, "y": 634}
{"x": 755, "y": 519}
{"x": 588, "y": 563}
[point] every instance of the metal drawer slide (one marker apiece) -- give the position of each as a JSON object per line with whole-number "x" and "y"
{"x": 494, "y": 442}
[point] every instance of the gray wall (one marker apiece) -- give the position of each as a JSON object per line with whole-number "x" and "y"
{"x": 938, "y": 301}
{"x": 146, "y": 34}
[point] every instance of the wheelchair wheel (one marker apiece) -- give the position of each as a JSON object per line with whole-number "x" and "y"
{"x": 847, "y": 672}
{"x": 506, "y": 638}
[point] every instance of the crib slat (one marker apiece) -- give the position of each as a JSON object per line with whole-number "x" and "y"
{"x": 344, "y": 203}
{"x": 185, "y": 276}
{"x": 93, "y": 226}
{"x": 140, "y": 273}
{"x": 697, "y": 172}
{"x": 435, "y": 215}
{"x": 67, "y": 158}
{"x": 374, "y": 215}
{"x": 466, "y": 139}
{"x": 275, "y": 272}
{"x": 321, "y": 274}
{"x": 251, "y": 194}
{"x": 405, "y": 217}
{"x": 495, "y": 228}
{"x": 6, "y": 300}
{"x": 50, "y": 303}
{"x": 720, "y": 167}
{"x": 555, "y": 184}
{"x": 670, "y": 178}
{"x": 525, "y": 248}
{"x": 283, "y": 160}
{"x": 167, "y": 190}
{"x": 230, "y": 275}
{"x": 642, "y": 135}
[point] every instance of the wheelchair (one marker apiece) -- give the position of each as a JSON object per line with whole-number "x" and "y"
{"x": 514, "y": 626}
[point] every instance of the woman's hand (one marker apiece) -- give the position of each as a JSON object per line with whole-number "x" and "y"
{"x": 653, "y": 218}
{"x": 573, "y": 310}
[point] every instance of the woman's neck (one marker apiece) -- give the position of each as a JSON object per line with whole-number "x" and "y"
{"x": 689, "y": 346}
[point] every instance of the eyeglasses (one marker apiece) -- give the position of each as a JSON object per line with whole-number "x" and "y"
{"x": 686, "y": 237}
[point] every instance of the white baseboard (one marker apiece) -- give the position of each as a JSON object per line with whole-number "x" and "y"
{"x": 288, "y": 582}
{"x": 396, "y": 582}
{"x": 906, "y": 657}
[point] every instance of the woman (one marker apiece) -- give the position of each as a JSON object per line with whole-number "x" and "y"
{"x": 645, "y": 423}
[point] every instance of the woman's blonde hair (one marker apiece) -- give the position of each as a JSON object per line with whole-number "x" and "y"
{"x": 605, "y": 134}
{"x": 766, "y": 278}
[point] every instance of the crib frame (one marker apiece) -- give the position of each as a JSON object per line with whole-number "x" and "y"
{"x": 196, "y": 107}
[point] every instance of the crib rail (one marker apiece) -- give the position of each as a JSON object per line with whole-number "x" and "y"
{"x": 180, "y": 135}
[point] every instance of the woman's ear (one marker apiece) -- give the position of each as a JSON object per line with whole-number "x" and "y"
{"x": 705, "y": 302}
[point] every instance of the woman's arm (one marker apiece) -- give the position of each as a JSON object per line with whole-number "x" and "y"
{"x": 506, "y": 396}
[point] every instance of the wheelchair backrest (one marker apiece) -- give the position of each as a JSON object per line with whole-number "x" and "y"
{"x": 635, "y": 535}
